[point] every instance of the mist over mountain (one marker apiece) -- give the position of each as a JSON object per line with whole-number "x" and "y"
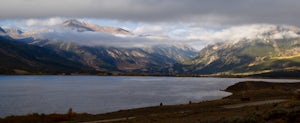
{"x": 242, "y": 50}
{"x": 104, "y": 58}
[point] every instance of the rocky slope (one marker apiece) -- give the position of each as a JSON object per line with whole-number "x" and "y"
{"x": 116, "y": 59}
{"x": 277, "y": 49}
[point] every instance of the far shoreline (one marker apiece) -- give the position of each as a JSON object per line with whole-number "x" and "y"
{"x": 191, "y": 76}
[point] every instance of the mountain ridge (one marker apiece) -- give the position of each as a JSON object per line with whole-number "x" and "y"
{"x": 249, "y": 56}
{"x": 276, "y": 49}
{"x": 80, "y": 26}
{"x": 148, "y": 60}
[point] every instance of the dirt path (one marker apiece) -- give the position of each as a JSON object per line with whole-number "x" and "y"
{"x": 225, "y": 106}
{"x": 110, "y": 120}
{"x": 254, "y": 103}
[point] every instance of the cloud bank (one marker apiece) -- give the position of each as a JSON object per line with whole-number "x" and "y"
{"x": 237, "y": 33}
{"x": 195, "y": 37}
{"x": 145, "y": 35}
{"x": 103, "y": 39}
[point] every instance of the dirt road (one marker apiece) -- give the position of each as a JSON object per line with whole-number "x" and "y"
{"x": 254, "y": 103}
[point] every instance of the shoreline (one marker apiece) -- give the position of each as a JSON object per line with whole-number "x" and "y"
{"x": 255, "y": 91}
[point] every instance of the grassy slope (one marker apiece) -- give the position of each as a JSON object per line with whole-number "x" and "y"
{"x": 246, "y": 58}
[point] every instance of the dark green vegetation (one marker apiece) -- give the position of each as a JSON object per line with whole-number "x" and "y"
{"x": 286, "y": 111}
{"x": 279, "y": 74}
{"x": 20, "y": 58}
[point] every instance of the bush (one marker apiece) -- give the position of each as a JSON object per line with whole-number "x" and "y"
{"x": 277, "y": 114}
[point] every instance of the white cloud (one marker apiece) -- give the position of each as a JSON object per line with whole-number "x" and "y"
{"x": 43, "y": 22}
{"x": 102, "y": 39}
{"x": 149, "y": 29}
{"x": 237, "y": 33}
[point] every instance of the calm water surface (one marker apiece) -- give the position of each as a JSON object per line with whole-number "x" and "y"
{"x": 95, "y": 94}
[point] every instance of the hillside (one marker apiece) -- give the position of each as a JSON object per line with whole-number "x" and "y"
{"x": 250, "y": 56}
{"x": 149, "y": 60}
{"x": 20, "y": 58}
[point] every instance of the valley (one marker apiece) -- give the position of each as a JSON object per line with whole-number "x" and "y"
{"x": 267, "y": 54}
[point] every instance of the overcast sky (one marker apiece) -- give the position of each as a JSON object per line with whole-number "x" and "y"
{"x": 195, "y": 11}
{"x": 198, "y": 21}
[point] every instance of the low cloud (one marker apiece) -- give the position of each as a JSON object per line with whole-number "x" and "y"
{"x": 237, "y": 33}
{"x": 195, "y": 37}
{"x": 103, "y": 39}
{"x": 152, "y": 29}
{"x": 43, "y": 22}
{"x": 147, "y": 34}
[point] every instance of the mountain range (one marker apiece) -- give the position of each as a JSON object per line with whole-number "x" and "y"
{"x": 273, "y": 52}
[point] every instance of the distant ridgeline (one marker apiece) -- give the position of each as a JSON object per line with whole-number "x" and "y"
{"x": 266, "y": 55}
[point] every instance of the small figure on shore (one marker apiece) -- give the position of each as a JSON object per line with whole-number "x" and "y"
{"x": 190, "y": 102}
{"x": 70, "y": 112}
{"x": 161, "y": 104}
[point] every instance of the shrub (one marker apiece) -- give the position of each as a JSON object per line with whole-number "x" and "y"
{"x": 277, "y": 114}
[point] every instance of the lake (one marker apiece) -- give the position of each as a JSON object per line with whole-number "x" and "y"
{"x": 21, "y": 95}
